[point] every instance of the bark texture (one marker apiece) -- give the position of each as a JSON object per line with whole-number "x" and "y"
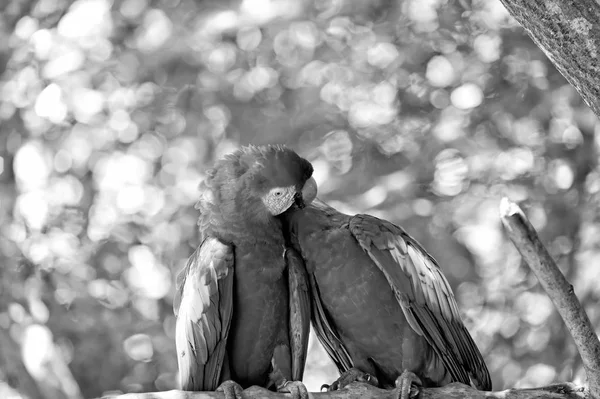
{"x": 568, "y": 31}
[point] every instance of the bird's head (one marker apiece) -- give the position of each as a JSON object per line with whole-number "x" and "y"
{"x": 266, "y": 180}
{"x": 280, "y": 178}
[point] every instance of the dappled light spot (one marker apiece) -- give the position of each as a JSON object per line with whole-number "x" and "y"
{"x": 440, "y": 72}
{"x": 365, "y": 113}
{"x": 139, "y": 347}
{"x": 65, "y": 191}
{"x": 450, "y": 125}
{"x": 50, "y": 104}
{"x": 68, "y": 59}
{"x": 261, "y": 77}
{"x": 147, "y": 307}
{"x": 382, "y": 55}
{"x": 17, "y": 312}
{"x": 62, "y": 161}
{"x": 31, "y": 166}
{"x": 86, "y": 19}
{"x": 482, "y": 240}
{"x": 337, "y": 148}
{"x": 561, "y": 173}
{"x": 117, "y": 170}
{"x": 221, "y": 58}
{"x": 120, "y": 121}
{"x": 424, "y": 13}
{"x": 515, "y": 162}
{"x": 43, "y": 43}
{"x": 26, "y": 27}
{"x": 510, "y": 326}
{"x": 511, "y": 372}
{"x": 110, "y": 293}
{"x": 133, "y": 8}
{"x": 422, "y": 207}
{"x": 467, "y": 96}
{"x": 38, "y": 310}
{"x": 451, "y": 172}
{"x": 534, "y": 308}
{"x": 131, "y": 199}
{"x": 537, "y": 339}
{"x": 248, "y": 38}
{"x": 263, "y": 11}
{"x": 372, "y": 198}
{"x": 146, "y": 276}
{"x": 34, "y": 209}
{"x": 488, "y": 47}
{"x": 538, "y": 375}
{"x": 37, "y": 349}
{"x": 469, "y": 294}
{"x": 537, "y": 216}
{"x": 322, "y": 176}
{"x": 155, "y": 31}
{"x": 305, "y": 33}
{"x": 398, "y": 181}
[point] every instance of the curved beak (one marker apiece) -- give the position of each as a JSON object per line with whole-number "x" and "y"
{"x": 308, "y": 194}
{"x": 299, "y": 201}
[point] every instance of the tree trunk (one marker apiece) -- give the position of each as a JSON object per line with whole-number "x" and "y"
{"x": 568, "y": 32}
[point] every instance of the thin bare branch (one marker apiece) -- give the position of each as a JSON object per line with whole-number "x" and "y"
{"x": 525, "y": 238}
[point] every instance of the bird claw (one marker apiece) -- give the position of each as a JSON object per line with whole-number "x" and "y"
{"x": 296, "y": 389}
{"x": 231, "y": 389}
{"x": 408, "y": 385}
{"x": 350, "y": 376}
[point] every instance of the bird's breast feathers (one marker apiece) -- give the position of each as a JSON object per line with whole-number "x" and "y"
{"x": 266, "y": 262}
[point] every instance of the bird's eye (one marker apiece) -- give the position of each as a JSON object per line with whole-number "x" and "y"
{"x": 278, "y": 193}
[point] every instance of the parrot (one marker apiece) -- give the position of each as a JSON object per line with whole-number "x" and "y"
{"x": 381, "y": 307}
{"x": 242, "y": 303}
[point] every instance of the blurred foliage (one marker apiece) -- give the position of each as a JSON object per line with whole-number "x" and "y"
{"x": 422, "y": 112}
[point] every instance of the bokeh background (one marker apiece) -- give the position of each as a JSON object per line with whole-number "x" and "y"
{"x": 424, "y": 112}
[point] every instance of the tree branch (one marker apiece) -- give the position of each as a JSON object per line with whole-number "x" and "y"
{"x": 525, "y": 238}
{"x": 365, "y": 391}
{"x": 568, "y": 33}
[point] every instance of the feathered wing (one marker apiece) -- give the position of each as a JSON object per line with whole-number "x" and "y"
{"x": 326, "y": 332}
{"x": 299, "y": 306}
{"x": 322, "y": 323}
{"x": 424, "y": 295}
{"x": 203, "y": 305}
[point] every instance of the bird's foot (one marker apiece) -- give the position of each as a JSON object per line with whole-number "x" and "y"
{"x": 350, "y": 376}
{"x": 231, "y": 389}
{"x": 408, "y": 385}
{"x": 296, "y": 388}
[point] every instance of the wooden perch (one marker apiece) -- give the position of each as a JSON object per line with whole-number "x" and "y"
{"x": 365, "y": 391}
{"x": 568, "y": 32}
{"x": 525, "y": 238}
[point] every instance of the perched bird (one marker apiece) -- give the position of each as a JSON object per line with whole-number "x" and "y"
{"x": 242, "y": 301}
{"x": 381, "y": 306}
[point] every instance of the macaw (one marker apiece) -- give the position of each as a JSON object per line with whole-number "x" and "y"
{"x": 242, "y": 300}
{"x": 381, "y": 307}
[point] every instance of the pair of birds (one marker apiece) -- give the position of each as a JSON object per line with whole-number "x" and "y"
{"x": 273, "y": 258}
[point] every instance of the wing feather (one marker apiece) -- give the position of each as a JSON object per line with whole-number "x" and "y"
{"x": 299, "y": 303}
{"x": 424, "y": 295}
{"x": 203, "y": 305}
{"x": 326, "y": 332}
